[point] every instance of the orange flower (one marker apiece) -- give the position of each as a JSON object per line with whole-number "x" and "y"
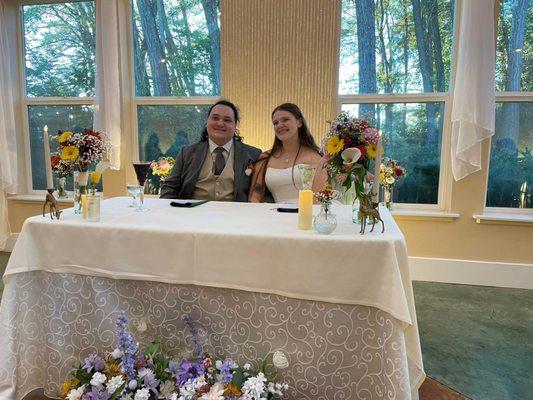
{"x": 54, "y": 160}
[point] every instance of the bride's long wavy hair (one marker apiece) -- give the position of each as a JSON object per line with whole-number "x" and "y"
{"x": 304, "y": 136}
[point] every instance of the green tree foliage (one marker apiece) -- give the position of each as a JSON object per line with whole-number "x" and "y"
{"x": 177, "y": 47}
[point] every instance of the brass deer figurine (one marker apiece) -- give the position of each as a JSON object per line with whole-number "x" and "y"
{"x": 368, "y": 208}
{"x": 52, "y": 203}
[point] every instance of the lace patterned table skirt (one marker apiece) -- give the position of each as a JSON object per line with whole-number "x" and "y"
{"x": 52, "y": 321}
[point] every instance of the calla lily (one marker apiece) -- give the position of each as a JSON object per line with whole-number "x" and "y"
{"x": 351, "y": 155}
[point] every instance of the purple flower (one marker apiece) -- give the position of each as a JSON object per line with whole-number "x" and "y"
{"x": 127, "y": 344}
{"x": 185, "y": 371}
{"x": 151, "y": 382}
{"x": 96, "y": 395}
{"x": 93, "y": 362}
{"x": 194, "y": 333}
{"x": 225, "y": 370}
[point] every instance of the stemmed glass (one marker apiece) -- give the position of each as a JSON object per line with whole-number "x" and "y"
{"x": 133, "y": 191}
{"x": 141, "y": 170}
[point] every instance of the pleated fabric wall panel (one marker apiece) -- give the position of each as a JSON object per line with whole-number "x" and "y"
{"x": 276, "y": 51}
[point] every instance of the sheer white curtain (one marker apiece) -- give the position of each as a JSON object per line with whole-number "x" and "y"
{"x": 107, "y": 112}
{"x": 473, "y": 109}
{"x": 8, "y": 139}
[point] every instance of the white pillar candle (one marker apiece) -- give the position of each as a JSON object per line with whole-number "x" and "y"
{"x": 377, "y": 169}
{"x": 47, "y": 160}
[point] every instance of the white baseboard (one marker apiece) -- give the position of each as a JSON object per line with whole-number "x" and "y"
{"x": 466, "y": 272}
{"x": 10, "y": 243}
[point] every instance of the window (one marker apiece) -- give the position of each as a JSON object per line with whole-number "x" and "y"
{"x": 510, "y": 182}
{"x": 59, "y": 70}
{"x": 394, "y": 70}
{"x": 176, "y": 47}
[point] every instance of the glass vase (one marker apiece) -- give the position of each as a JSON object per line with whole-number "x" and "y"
{"x": 325, "y": 222}
{"x": 387, "y": 191}
{"x": 62, "y": 187}
{"x": 80, "y": 190}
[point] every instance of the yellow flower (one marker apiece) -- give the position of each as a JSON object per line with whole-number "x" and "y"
{"x": 69, "y": 153}
{"x": 334, "y": 145}
{"x": 95, "y": 177}
{"x": 232, "y": 389}
{"x": 64, "y": 136}
{"x": 371, "y": 150}
{"x": 112, "y": 369}
{"x": 67, "y": 386}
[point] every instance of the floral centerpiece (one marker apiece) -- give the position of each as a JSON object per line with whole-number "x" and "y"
{"x": 162, "y": 167}
{"x": 63, "y": 169}
{"x": 349, "y": 148}
{"x": 127, "y": 373}
{"x": 350, "y": 145}
{"x": 81, "y": 150}
{"x": 390, "y": 172}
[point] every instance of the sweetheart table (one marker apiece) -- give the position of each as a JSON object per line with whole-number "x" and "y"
{"x": 340, "y": 306}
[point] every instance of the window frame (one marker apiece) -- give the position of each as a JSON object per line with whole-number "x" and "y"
{"x": 151, "y": 100}
{"x": 504, "y": 97}
{"x": 444, "y": 195}
{"x": 26, "y": 101}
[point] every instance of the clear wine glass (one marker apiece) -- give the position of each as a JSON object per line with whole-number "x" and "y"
{"x": 141, "y": 170}
{"x": 133, "y": 191}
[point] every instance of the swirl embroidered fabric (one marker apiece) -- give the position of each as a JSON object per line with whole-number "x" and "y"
{"x": 52, "y": 321}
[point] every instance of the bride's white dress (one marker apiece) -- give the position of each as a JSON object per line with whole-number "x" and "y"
{"x": 280, "y": 183}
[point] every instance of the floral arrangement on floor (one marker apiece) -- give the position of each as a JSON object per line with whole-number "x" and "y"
{"x": 162, "y": 167}
{"x": 390, "y": 171}
{"x": 349, "y": 147}
{"x": 81, "y": 149}
{"x": 127, "y": 373}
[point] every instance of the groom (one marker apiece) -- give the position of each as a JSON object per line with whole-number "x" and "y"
{"x": 214, "y": 168}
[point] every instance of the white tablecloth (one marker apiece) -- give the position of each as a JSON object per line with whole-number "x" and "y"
{"x": 249, "y": 247}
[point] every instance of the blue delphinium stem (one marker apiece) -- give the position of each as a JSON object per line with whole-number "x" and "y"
{"x": 127, "y": 344}
{"x": 194, "y": 332}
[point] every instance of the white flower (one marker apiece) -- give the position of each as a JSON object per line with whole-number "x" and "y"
{"x": 117, "y": 353}
{"x": 247, "y": 366}
{"x": 351, "y": 155}
{"x": 98, "y": 379}
{"x": 75, "y": 394}
{"x": 188, "y": 390}
{"x": 166, "y": 390}
{"x": 218, "y": 364}
{"x": 143, "y": 372}
{"x": 133, "y": 384}
{"x": 174, "y": 396}
{"x": 142, "y": 394}
{"x": 142, "y": 325}
{"x": 254, "y": 386}
{"x": 280, "y": 360}
{"x": 248, "y": 171}
{"x": 115, "y": 383}
{"x": 216, "y": 392}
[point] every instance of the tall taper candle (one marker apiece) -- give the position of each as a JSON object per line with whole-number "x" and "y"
{"x": 377, "y": 169}
{"x": 47, "y": 160}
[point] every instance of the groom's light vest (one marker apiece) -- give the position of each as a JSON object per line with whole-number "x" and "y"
{"x": 210, "y": 187}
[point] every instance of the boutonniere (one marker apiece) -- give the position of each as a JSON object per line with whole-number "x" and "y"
{"x": 249, "y": 167}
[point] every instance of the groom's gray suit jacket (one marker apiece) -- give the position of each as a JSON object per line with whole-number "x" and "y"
{"x": 181, "y": 181}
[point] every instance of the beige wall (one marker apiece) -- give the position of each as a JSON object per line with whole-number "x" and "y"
{"x": 277, "y": 50}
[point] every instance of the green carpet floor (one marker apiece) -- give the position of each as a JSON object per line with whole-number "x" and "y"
{"x": 476, "y": 340}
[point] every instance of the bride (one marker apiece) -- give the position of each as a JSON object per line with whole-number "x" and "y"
{"x": 276, "y": 175}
